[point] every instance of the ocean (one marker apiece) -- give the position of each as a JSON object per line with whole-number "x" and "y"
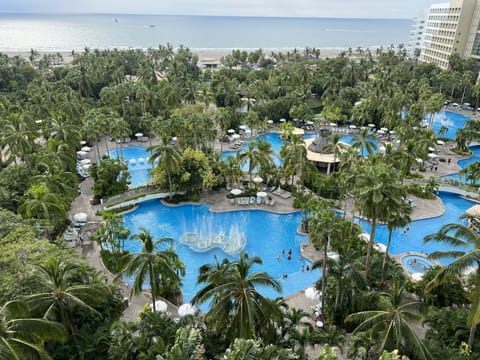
{"x": 50, "y": 33}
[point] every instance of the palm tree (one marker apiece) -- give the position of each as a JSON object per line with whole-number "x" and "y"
{"x": 22, "y": 337}
{"x": 323, "y": 225}
{"x": 335, "y": 146}
{"x": 59, "y": 296}
{"x": 168, "y": 159}
{"x": 364, "y": 142}
{"x": 397, "y": 215}
{"x": 253, "y": 156}
{"x": 466, "y": 241}
{"x": 294, "y": 154}
{"x": 376, "y": 186}
{"x": 392, "y": 322}
{"x": 236, "y": 304}
{"x": 152, "y": 264}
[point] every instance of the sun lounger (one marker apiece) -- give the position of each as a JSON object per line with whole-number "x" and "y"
{"x": 259, "y": 200}
{"x": 252, "y": 200}
{"x": 278, "y": 191}
{"x": 232, "y": 201}
{"x": 272, "y": 202}
{"x": 286, "y": 194}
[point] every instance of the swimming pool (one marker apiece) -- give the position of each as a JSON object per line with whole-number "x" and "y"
{"x": 266, "y": 235}
{"x": 349, "y": 139}
{"x": 138, "y": 165}
{"x": 416, "y": 264}
{"x": 453, "y": 122}
{"x": 412, "y": 240}
{"x": 464, "y": 163}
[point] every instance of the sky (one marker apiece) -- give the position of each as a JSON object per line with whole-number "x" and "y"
{"x": 289, "y": 8}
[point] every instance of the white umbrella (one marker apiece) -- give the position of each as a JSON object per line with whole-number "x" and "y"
{"x": 141, "y": 160}
{"x": 262, "y": 194}
{"x": 160, "y": 306}
{"x": 433, "y": 156}
{"x": 393, "y": 132}
{"x": 431, "y": 148}
{"x": 133, "y": 161}
{"x": 384, "y": 129}
{"x": 352, "y": 127}
{"x": 86, "y": 148}
{"x": 312, "y": 294}
{"x": 81, "y": 154}
{"x": 381, "y": 132}
{"x": 440, "y": 142}
{"x": 139, "y": 134}
{"x": 236, "y": 191}
{"x": 85, "y": 161}
{"x": 248, "y": 131}
{"x": 282, "y": 120}
{"x": 319, "y": 324}
{"x": 257, "y": 179}
{"x": 235, "y": 136}
{"x": 420, "y": 161}
{"x": 417, "y": 276}
{"x": 83, "y": 142}
{"x": 382, "y": 148}
{"x": 371, "y": 125}
{"x": 333, "y": 124}
{"x": 231, "y": 131}
{"x": 243, "y": 127}
{"x": 380, "y": 247}
{"x": 86, "y": 166}
{"x": 364, "y": 236}
{"x": 309, "y": 122}
{"x": 80, "y": 217}
{"x": 174, "y": 138}
{"x": 269, "y": 121}
{"x": 187, "y": 309}
{"x": 357, "y": 103}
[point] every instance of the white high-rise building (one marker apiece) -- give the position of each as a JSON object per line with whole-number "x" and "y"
{"x": 448, "y": 31}
{"x": 416, "y": 35}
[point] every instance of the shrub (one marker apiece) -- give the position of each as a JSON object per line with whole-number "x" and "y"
{"x": 110, "y": 260}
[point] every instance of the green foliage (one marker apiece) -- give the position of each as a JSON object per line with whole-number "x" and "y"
{"x": 111, "y": 177}
{"x": 117, "y": 210}
{"x": 110, "y": 260}
{"x": 450, "y": 291}
{"x": 420, "y": 191}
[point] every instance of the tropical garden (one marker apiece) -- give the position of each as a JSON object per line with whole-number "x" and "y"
{"x": 54, "y": 305}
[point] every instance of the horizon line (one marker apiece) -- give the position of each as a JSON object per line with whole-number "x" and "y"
{"x": 203, "y": 15}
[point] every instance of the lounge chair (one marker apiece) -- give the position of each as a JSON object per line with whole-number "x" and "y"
{"x": 286, "y": 194}
{"x": 272, "y": 202}
{"x": 232, "y": 201}
{"x": 278, "y": 191}
{"x": 252, "y": 200}
{"x": 259, "y": 200}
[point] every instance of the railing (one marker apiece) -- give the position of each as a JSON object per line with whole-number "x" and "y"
{"x": 130, "y": 194}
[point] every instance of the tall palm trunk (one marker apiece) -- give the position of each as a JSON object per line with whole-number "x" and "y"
{"x": 152, "y": 290}
{"x": 170, "y": 185}
{"x": 324, "y": 275}
{"x": 370, "y": 246}
{"x": 385, "y": 256}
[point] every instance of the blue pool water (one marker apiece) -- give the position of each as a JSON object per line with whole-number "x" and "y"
{"x": 451, "y": 120}
{"x": 266, "y": 234}
{"x": 416, "y": 264}
{"x": 412, "y": 240}
{"x": 465, "y": 162}
{"x": 139, "y": 171}
{"x": 349, "y": 139}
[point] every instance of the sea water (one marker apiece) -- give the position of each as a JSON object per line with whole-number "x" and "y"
{"x": 44, "y": 32}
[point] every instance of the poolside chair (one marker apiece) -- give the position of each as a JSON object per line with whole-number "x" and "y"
{"x": 259, "y": 200}
{"x": 252, "y": 200}
{"x": 272, "y": 202}
{"x": 232, "y": 201}
{"x": 286, "y": 194}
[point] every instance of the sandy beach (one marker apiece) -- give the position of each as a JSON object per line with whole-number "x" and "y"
{"x": 210, "y": 54}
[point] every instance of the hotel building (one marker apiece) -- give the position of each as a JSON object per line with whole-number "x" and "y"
{"x": 451, "y": 28}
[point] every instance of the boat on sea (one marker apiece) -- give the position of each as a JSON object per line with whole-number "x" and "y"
{"x": 151, "y": 25}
